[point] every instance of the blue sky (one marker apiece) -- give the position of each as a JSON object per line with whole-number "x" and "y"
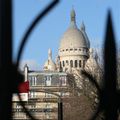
{"x": 50, "y": 30}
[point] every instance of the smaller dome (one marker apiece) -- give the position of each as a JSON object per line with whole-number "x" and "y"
{"x": 91, "y": 64}
{"x": 49, "y": 64}
{"x": 82, "y": 29}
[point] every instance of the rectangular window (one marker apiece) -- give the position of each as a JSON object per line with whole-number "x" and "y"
{"x": 48, "y": 81}
{"x": 33, "y": 80}
{"x": 30, "y": 80}
{"x": 62, "y": 80}
{"x": 33, "y": 83}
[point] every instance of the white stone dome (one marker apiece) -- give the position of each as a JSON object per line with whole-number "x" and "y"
{"x": 73, "y": 38}
{"x": 74, "y": 46}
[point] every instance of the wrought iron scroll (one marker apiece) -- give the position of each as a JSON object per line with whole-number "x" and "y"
{"x": 109, "y": 94}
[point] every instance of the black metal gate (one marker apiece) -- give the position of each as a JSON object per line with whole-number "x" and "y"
{"x": 109, "y": 94}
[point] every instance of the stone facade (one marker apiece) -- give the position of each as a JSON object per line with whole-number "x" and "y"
{"x": 43, "y": 96}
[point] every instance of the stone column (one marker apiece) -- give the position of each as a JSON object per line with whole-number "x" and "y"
{"x": 26, "y": 73}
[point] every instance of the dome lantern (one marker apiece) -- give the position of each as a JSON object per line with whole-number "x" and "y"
{"x": 73, "y": 19}
{"x": 73, "y": 15}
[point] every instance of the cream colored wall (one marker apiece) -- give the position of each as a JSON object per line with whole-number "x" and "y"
{"x": 79, "y": 51}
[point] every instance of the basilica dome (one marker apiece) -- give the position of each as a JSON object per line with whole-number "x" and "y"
{"x": 74, "y": 46}
{"x": 73, "y": 38}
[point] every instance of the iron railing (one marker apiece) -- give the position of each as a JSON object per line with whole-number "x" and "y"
{"x": 109, "y": 94}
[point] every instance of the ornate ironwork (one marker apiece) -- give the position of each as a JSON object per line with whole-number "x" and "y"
{"x": 109, "y": 95}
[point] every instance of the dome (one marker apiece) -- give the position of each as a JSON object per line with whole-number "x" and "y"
{"x": 92, "y": 63}
{"x": 74, "y": 46}
{"x": 82, "y": 28}
{"x": 73, "y": 38}
{"x": 49, "y": 64}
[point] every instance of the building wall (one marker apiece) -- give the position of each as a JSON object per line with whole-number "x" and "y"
{"x": 40, "y": 104}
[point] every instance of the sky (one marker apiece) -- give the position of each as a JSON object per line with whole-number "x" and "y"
{"x": 50, "y": 30}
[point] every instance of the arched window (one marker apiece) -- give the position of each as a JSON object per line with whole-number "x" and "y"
{"x": 67, "y": 62}
{"x": 63, "y": 63}
{"x": 60, "y": 64}
{"x": 75, "y": 63}
{"x": 79, "y": 63}
{"x": 83, "y": 63}
{"x": 71, "y": 63}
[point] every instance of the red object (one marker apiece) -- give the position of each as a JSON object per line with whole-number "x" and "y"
{"x": 24, "y": 87}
